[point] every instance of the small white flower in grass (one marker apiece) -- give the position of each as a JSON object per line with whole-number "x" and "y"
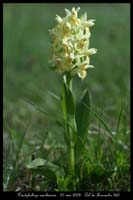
{"x": 70, "y": 44}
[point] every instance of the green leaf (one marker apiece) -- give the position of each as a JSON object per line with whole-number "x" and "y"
{"x": 82, "y": 123}
{"x": 39, "y": 162}
{"x": 41, "y": 166}
{"x": 82, "y": 115}
{"x": 67, "y": 101}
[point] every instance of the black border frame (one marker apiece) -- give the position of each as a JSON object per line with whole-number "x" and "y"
{"x": 62, "y": 195}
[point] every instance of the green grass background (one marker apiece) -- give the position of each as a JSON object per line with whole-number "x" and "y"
{"x": 26, "y": 73}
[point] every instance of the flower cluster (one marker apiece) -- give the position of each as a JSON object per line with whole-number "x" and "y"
{"x": 70, "y": 44}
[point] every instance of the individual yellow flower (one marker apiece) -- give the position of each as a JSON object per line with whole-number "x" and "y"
{"x": 70, "y": 44}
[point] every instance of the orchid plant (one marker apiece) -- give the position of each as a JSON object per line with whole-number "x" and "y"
{"x": 70, "y": 40}
{"x": 70, "y": 57}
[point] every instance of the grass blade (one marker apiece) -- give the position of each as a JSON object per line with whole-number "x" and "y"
{"x": 54, "y": 95}
{"x": 120, "y": 115}
{"x": 101, "y": 120}
{"x": 36, "y": 106}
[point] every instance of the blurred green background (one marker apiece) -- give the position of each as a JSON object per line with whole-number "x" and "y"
{"x": 27, "y": 50}
{"x": 26, "y": 73}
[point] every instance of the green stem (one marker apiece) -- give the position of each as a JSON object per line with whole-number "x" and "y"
{"x": 70, "y": 146}
{"x": 71, "y": 159}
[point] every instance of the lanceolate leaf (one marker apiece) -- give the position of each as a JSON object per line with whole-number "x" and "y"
{"x": 82, "y": 114}
{"x": 82, "y": 123}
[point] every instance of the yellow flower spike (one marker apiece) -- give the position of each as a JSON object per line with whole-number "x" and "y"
{"x": 70, "y": 43}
